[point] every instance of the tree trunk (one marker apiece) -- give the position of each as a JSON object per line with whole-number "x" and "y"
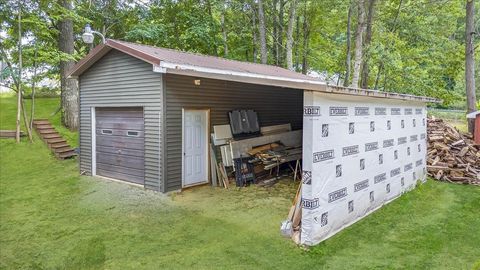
{"x": 291, "y": 19}
{"x": 19, "y": 84}
{"x": 254, "y": 34}
{"x": 262, "y": 30}
{"x": 280, "y": 33}
{"x": 358, "y": 43}
{"x": 306, "y": 36}
{"x": 25, "y": 121}
{"x": 32, "y": 108}
{"x": 69, "y": 86}
{"x": 209, "y": 10}
{"x": 297, "y": 38}
{"x": 470, "y": 61}
{"x": 348, "y": 58}
{"x": 368, "y": 39}
{"x": 275, "y": 46}
{"x": 224, "y": 31}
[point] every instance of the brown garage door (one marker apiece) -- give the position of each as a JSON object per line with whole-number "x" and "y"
{"x": 120, "y": 143}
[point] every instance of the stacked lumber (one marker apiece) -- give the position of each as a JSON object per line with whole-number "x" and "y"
{"x": 452, "y": 156}
{"x": 273, "y": 154}
{"x": 219, "y": 176}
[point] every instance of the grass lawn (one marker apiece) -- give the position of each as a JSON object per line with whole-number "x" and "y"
{"x": 52, "y": 218}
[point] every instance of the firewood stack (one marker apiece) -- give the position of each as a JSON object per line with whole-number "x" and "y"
{"x": 452, "y": 156}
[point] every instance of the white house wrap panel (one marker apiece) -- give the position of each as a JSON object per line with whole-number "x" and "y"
{"x": 359, "y": 153}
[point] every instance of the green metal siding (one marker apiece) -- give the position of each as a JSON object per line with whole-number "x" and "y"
{"x": 119, "y": 80}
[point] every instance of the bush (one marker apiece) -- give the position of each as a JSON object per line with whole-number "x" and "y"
{"x": 43, "y": 92}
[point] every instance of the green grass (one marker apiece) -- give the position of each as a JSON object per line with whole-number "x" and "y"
{"x": 52, "y": 218}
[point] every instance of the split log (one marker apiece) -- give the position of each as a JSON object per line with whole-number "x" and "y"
{"x": 452, "y": 156}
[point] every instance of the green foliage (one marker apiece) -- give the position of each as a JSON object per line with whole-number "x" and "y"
{"x": 415, "y": 49}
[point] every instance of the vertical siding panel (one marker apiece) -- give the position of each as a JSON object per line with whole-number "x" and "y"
{"x": 119, "y": 80}
{"x": 275, "y": 105}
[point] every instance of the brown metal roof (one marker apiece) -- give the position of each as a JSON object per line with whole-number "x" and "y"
{"x": 192, "y": 64}
{"x": 154, "y": 55}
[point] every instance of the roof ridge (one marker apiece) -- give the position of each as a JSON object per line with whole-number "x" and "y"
{"x": 215, "y": 57}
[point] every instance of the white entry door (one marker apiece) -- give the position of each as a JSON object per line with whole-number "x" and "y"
{"x": 195, "y": 146}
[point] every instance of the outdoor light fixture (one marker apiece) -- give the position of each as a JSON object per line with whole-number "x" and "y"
{"x": 88, "y": 37}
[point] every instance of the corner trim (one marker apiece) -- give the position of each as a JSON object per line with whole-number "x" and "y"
{"x": 94, "y": 141}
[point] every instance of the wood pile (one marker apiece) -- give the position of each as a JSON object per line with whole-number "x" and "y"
{"x": 452, "y": 156}
{"x": 273, "y": 154}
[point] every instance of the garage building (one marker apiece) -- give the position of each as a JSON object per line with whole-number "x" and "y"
{"x": 146, "y": 115}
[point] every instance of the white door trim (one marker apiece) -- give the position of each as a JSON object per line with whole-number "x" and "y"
{"x": 207, "y": 158}
{"x": 94, "y": 141}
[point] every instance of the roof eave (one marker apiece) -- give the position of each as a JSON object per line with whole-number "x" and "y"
{"x": 93, "y": 56}
{"x": 100, "y": 50}
{"x": 245, "y": 77}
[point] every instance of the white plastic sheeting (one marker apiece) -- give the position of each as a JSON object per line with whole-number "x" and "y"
{"x": 358, "y": 154}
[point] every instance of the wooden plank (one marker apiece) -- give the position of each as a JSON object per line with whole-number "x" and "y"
{"x": 241, "y": 147}
{"x": 276, "y": 129}
{"x": 213, "y": 170}
{"x": 10, "y": 134}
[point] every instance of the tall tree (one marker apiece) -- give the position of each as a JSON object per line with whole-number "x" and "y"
{"x": 254, "y": 34}
{"x": 306, "y": 38}
{"x": 348, "y": 58}
{"x": 224, "y": 29}
{"x": 280, "y": 32}
{"x": 262, "y": 29}
{"x": 470, "y": 61}
{"x": 368, "y": 39}
{"x": 69, "y": 86}
{"x": 358, "y": 43}
{"x": 291, "y": 20}
{"x": 297, "y": 38}
{"x": 275, "y": 47}
{"x": 19, "y": 85}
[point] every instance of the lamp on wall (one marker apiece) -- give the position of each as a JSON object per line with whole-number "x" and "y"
{"x": 88, "y": 37}
{"x": 196, "y": 82}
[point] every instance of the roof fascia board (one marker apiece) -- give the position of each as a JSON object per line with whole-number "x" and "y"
{"x": 188, "y": 70}
{"x": 250, "y": 80}
{"x": 134, "y": 52}
{"x": 173, "y": 67}
{"x": 92, "y": 57}
{"x": 100, "y": 50}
